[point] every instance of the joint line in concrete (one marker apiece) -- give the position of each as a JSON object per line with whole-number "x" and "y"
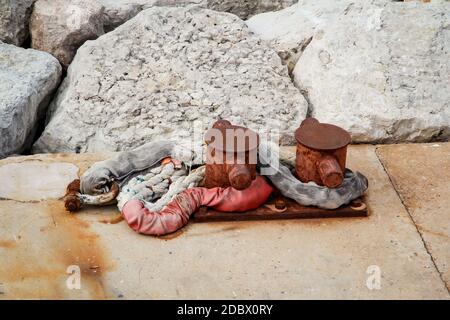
{"x": 412, "y": 219}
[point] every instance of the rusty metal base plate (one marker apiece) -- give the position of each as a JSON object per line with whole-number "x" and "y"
{"x": 358, "y": 208}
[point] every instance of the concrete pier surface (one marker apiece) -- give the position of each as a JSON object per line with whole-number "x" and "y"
{"x": 401, "y": 251}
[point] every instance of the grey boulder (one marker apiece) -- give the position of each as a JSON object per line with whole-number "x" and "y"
{"x": 27, "y": 80}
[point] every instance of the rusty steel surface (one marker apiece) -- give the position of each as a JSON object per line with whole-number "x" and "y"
{"x": 283, "y": 208}
{"x": 231, "y": 156}
{"x": 239, "y": 139}
{"x": 321, "y": 153}
{"x": 321, "y": 136}
{"x": 74, "y": 200}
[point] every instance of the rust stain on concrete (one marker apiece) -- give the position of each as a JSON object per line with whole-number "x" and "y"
{"x": 434, "y": 233}
{"x": 37, "y": 268}
{"x": 7, "y": 244}
{"x": 118, "y": 218}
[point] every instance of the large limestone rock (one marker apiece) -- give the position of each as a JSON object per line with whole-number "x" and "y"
{"x": 27, "y": 80}
{"x": 14, "y": 16}
{"x": 157, "y": 74}
{"x": 61, "y": 27}
{"x": 120, "y": 11}
{"x": 379, "y": 69}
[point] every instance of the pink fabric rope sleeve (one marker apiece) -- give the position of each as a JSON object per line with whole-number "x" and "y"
{"x": 176, "y": 214}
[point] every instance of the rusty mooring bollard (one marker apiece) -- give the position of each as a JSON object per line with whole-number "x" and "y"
{"x": 321, "y": 153}
{"x": 231, "y": 156}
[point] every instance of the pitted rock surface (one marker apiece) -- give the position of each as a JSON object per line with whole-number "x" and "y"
{"x": 163, "y": 72}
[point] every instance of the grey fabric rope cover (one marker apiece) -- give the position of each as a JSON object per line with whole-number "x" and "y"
{"x": 128, "y": 164}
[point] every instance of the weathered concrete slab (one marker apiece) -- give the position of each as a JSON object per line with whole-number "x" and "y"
{"x": 17, "y": 177}
{"x": 325, "y": 258}
{"x": 421, "y": 175}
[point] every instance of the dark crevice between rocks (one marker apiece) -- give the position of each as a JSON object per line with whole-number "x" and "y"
{"x": 27, "y": 43}
{"x": 290, "y": 58}
{"x": 305, "y": 94}
{"x": 440, "y": 136}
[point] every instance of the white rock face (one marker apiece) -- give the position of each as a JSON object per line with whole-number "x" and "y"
{"x": 14, "y": 16}
{"x": 378, "y": 69}
{"x": 61, "y": 27}
{"x": 120, "y": 11}
{"x": 27, "y": 80}
{"x": 157, "y": 74}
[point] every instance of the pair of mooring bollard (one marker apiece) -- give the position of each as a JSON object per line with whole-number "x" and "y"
{"x": 232, "y": 151}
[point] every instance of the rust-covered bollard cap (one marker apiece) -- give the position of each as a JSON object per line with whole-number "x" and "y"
{"x": 321, "y": 136}
{"x": 321, "y": 152}
{"x": 234, "y": 139}
{"x": 231, "y": 156}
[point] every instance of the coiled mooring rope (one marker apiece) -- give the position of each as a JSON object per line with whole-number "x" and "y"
{"x": 155, "y": 189}
{"x": 158, "y": 187}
